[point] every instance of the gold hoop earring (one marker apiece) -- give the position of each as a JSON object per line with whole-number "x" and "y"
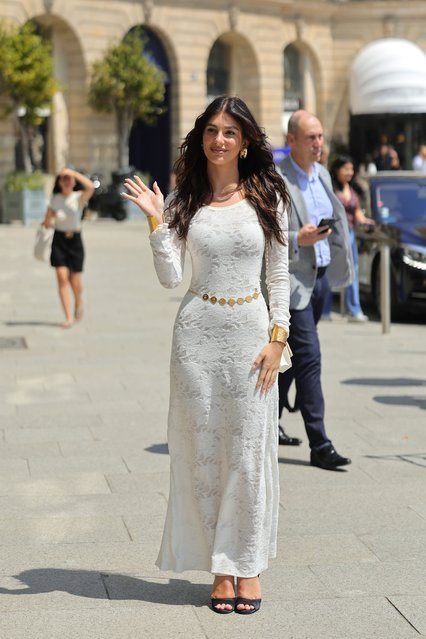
{"x": 243, "y": 154}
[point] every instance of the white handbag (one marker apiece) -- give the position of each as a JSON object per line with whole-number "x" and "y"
{"x": 43, "y": 243}
{"x": 286, "y": 356}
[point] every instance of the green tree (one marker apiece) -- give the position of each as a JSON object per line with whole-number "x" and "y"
{"x": 27, "y": 81}
{"x": 127, "y": 84}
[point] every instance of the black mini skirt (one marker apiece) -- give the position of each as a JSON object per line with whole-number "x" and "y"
{"x": 67, "y": 250}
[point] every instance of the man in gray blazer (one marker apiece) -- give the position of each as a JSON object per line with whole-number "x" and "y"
{"x": 320, "y": 257}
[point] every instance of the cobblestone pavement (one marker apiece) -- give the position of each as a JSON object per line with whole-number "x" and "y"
{"x": 84, "y": 469}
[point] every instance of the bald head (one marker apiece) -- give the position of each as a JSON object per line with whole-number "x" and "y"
{"x": 305, "y": 138}
{"x": 299, "y": 118}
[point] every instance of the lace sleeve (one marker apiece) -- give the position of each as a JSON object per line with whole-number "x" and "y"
{"x": 168, "y": 251}
{"x": 277, "y": 276}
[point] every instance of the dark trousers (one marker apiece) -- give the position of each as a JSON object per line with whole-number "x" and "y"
{"x": 306, "y": 368}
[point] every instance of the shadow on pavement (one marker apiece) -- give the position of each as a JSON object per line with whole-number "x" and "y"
{"x": 417, "y": 459}
{"x": 402, "y": 400}
{"x": 96, "y": 585}
{"x": 378, "y": 381}
{"x": 32, "y": 323}
{"x": 160, "y": 449}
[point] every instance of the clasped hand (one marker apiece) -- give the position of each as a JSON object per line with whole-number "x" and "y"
{"x": 150, "y": 202}
{"x": 268, "y": 361}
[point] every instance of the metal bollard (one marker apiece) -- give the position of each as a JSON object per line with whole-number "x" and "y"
{"x": 385, "y": 289}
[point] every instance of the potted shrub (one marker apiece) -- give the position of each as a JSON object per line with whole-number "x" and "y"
{"x": 23, "y": 197}
{"x": 124, "y": 82}
{"x": 27, "y": 85}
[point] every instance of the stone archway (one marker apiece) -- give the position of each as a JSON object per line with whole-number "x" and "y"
{"x": 67, "y": 133}
{"x": 301, "y": 83}
{"x": 232, "y": 69}
{"x": 150, "y": 146}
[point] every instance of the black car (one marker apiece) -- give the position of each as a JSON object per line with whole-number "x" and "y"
{"x": 396, "y": 200}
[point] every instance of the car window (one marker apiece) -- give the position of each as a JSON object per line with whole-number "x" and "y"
{"x": 394, "y": 202}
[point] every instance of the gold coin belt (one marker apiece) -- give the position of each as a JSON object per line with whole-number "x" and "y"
{"x": 230, "y": 301}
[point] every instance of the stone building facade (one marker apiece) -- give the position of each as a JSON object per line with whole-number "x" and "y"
{"x": 275, "y": 54}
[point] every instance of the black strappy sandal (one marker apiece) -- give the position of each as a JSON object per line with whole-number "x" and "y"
{"x": 247, "y": 602}
{"x": 223, "y": 611}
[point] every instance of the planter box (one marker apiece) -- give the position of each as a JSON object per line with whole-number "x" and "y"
{"x": 24, "y": 206}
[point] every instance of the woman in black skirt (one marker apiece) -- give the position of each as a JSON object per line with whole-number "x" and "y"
{"x": 67, "y": 256}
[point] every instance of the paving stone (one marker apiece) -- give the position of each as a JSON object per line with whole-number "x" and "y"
{"x": 24, "y": 451}
{"x": 321, "y": 549}
{"x": 111, "y": 556}
{"x": 373, "y": 578}
{"x": 62, "y": 420}
{"x": 360, "y": 519}
{"x": 54, "y": 530}
{"x": 53, "y": 466}
{"x": 73, "y": 408}
{"x": 413, "y": 609}
{"x": 138, "y": 620}
{"x": 81, "y": 505}
{"x": 332, "y": 618}
{"x": 38, "y": 435}
{"x": 80, "y": 484}
{"x": 139, "y": 482}
{"x": 29, "y": 397}
{"x": 13, "y": 469}
{"x": 48, "y": 589}
{"x": 398, "y": 545}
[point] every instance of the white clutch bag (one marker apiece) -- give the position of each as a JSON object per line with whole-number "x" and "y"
{"x": 286, "y": 356}
{"x": 43, "y": 243}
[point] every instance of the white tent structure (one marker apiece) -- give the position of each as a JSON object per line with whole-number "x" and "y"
{"x": 388, "y": 76}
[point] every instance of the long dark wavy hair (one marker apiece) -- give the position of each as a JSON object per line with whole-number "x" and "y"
{"x": 337, "y": 164}
{"x": 262, "y": 185}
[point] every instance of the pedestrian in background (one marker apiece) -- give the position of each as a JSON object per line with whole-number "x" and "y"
{"x": 318, "y": 256}
{"x": 387, "y": 158}
{"x": 419, "y": 160}
{"x": 342, "y": 173}
{"x": 71, "y": 191}
{"x": 227, "y": 211}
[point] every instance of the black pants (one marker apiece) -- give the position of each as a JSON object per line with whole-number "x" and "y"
{"x": 306, "y": 364}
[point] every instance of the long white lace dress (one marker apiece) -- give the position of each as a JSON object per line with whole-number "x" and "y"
{"x": 224, "y": 491}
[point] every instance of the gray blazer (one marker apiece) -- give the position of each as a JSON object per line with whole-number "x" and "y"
{"x": 302, "y": 264}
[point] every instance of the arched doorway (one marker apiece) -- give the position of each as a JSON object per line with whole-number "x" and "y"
{"x": 232, "y": 69}
{"x": 300, "y": 82}
{"x": 51, "y": 138}
{"x": 65, "y": 130}
{"x": 149, "y": 146}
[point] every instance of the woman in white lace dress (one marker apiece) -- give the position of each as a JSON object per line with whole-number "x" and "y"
{"x": 228, "y": 211}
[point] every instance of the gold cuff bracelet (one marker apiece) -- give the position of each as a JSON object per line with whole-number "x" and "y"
{"x": 279, "y": 334}
{"x": 153, "y": 223}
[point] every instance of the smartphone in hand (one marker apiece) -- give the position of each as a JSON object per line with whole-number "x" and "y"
{"x": 327, "y": 223}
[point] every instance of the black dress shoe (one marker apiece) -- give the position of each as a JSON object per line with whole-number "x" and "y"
{"x": 285, "y": 440}
{"x": 328, "y": 458}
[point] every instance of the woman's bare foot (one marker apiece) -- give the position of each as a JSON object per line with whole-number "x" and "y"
{"x": 68, "y": 323}
{"x": 248, "y": 588}
{"x": 223, "y": 588}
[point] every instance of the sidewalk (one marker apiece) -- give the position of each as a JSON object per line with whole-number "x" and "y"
{"x": 84, "y": 469}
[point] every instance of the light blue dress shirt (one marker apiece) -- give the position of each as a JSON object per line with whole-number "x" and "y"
{"x": 318, "y": 205}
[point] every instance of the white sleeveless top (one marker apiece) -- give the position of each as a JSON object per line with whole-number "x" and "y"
{"x": 68, "y": 211}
